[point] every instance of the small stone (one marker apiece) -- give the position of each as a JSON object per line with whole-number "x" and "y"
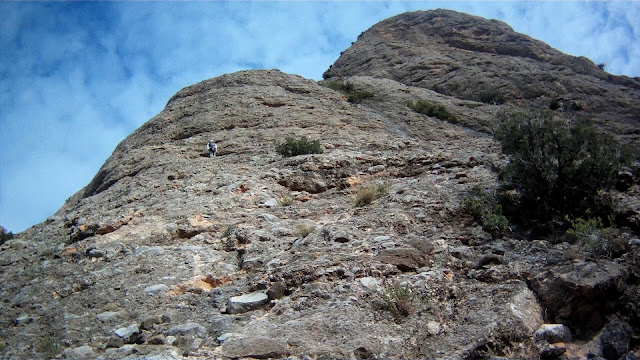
{"x": 381, "y": 238}
{"x": 115, "y": 342}
{"x": 375, "y": 169}
{"x": 634, "y": 242}
{"x": 95, "y": 253}
{"x": 553, "y": 333}
{"x": 553, "y": 351}
{"x": 170, "y": 340}
{"x": 433, "y": 328}
{"x": 80, "y": 352}
{"x": 220, "y": 339}
{"x": 126, "y": 332}
{"x": 148, "y": 323}
{"x": 269, "y": 217}
{"x": 24, "y": 319}
{"x": 270, "y": 203}
{"x": 247, "y": 302}
{"x": 156, "y": 340}
{"x": 149, "y": 250}
{"x": 254, "y": 347}
{"x": 190, "y": 328}
{"x": 107, "y": 315}
{"x": 370, "y": 283}
{"x": 276, "y": 290}
{"x": 615, "y": 339}
{"x": 153, "y": 289}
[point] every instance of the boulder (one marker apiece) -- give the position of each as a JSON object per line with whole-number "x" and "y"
{"x": 253, "y": 347}
{"x": 246, "y": 302}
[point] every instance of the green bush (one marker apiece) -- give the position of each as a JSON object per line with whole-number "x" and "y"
{"x": 354, "y": 95}
{"x": 594, "y": 236}
{"x": 292, "y": 147}
{"x": 4, "y": 235}
{"x": 433, "y": 110}
{"x": 486, "y": 211}
{"x": 558, "y": 168}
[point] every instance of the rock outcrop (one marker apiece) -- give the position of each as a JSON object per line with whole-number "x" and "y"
{"x": 168, "y": 253}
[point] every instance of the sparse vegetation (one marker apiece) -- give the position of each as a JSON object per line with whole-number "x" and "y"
{"x": 286, "y": 200}
{"x": 493, "y": 97}
{"x": 367, "y": 193}
{"x": 597, "y": 239}
{"x": 5, "y": 235}
{"x": 557, "y": 168}
{"x": 433, "y": 110}
{"x": 397, "y": 299}
{"x": 48, "y": 346}
{"x": 305, "y": 229}
{"x": 292, "y": 147}
{"x": 354, "y": 95}
{"x": 483, "y": 206}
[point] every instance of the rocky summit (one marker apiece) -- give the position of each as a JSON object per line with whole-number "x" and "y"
{"x": 171, "y": 254}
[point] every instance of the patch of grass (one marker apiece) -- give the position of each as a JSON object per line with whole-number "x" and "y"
{"x": 48, "y": 346}
{"x": 433, "y": 110}
{"x": 292, "y": 147}
{"x": 397, "y": 299}
{"x": 286, "y": 200}
{"x": 354, "y": 95}
{"x": 493, "y": 97}
{"x": 303, "y": 230}
{"x": 366, "y": 194}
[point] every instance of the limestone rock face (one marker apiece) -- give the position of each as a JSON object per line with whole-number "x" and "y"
{"x": 155, "y": 256}
{"x": 473, "y": 58}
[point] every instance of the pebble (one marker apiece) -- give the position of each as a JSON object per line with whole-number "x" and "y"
{"x": 153, "y": 289}
{"x": 24, "y": 319}
{"x": 189, "y": 328}
{"x": 107, "y": 315}
{"x": 553, "y": 333}
{"x": 269, "y": 217}
{"x": 370, "y": 282}
{"x": 270, "y": 203}
{"x": 126, "y": 332}
{"x": 149, "y": 250}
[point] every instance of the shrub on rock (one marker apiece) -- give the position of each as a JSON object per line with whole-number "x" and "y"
{"x": 292, "y": 147}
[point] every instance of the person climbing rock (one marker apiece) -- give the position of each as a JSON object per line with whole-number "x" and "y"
{"x": 212, "y": 148}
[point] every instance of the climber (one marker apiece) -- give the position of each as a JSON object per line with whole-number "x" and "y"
{"x": 212, "y": 148}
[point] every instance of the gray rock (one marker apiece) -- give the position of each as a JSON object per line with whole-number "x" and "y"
{"x": 154, "y": 289}
{"x": 107, "y": 315}
{"x": 246, "y": 302}
{"x": 370, "y": 283}
{"x": 156, "y": 340}
{"x": 24, "y": 319}
{"x": 269, "y": 217}
{"x": 615, "y": 339}
{"x": 80, "y": 352}
{"x": 190, "y": 328}
{"x": 126, "y": 332}
{"x": 270, "y": 203}
{"x": 149, "y": 250}
{"x": 553, "y": 333}
{"x": 148, "y": 323}
{"x": 276, "y": 290}
{"x": 375, "y": 169}
{"x": 253, "y": 347}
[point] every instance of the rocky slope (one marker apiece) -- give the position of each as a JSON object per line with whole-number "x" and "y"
{"x": 170, "y": 254}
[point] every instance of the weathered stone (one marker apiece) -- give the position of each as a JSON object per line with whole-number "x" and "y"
{"x": 190, "y": 328}
{"x": 126, "y": 332}
{"x": 80, "y": 352}
{"x": 405, "y": 259}
{"x": 246, "y": 302}
{"x": 24, "y": 319}
{"x": 615, "y": 339}
{"x": 107, "y": 315}
{"x": 553, "y": 351}
{"x": 156, "y": 340}
{"x": 148, "y": 323}
{"x": 553, "y": 333}
{"x": 276, "y": 290}
{"x": 253, "y": 347}
{"x": 580, "y": 294}
{"x": 154, "y": 289}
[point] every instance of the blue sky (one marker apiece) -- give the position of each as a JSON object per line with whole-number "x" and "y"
{"x": 77, "y": 77}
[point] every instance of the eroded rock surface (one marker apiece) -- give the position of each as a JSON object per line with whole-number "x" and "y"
{"x": 149, "y": 260}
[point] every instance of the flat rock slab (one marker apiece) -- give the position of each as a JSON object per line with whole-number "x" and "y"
{"x": 254, "y": 347}
{"x": 247, "y": 302}
{"x": 190, "y": 328}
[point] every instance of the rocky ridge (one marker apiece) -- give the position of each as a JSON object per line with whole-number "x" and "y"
{"x": 170, "y": 254}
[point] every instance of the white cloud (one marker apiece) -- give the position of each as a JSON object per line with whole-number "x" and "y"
{"x": 76, "y": 78}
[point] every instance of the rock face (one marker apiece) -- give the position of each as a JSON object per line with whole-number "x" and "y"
{"x": 469, "y": 57}
{"x": 168, "y": 253}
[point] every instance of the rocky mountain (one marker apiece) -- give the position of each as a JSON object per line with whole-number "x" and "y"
{"x": 170, "y": 254}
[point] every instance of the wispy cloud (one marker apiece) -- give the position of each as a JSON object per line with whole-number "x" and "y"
{"x": 77, "y": 77}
